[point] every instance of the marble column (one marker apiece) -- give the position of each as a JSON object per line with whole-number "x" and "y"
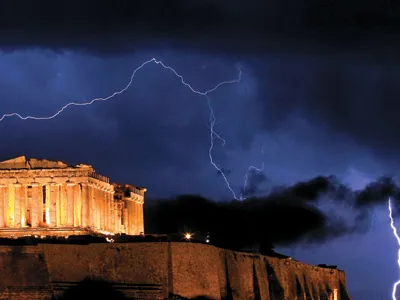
{"x": 95, "y": 207}
{"x": 127, "y": 217}
{"x": 54, "y": 203}
{"x": 36, "y": 204}
{"x": 112, "y": 218}
{"x": 111, "y": 211}
{"x": 141, "y": 218}
{"x": 85, "y": 204}
{"x": 90, "y": 205}
{"x": 10, "y": 205}
{"x": 137, "y": 217}
{"x": 77, "y": 206}
{"x": 103, "y": 219}
{"x": 102, "y": 206}
{"x": 135, "y": 211}
{"x": 46, "y": 203}
{"x": 70, "y": 203}
{"x": 107, "y": 209}
{"x": 116, "y": 216}
{"x": 133, "y": 217}
{"x": 98, "y": 207}
{"x": 125, "y": 222}
{"x": 2, "y": 211}
{"x": 24, "y": 198}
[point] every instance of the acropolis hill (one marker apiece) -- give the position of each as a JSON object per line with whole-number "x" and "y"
{"x": 55, "y": 227}
{"x": 43, "y": 197}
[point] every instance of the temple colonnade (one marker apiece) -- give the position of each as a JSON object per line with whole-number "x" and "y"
{"x": 69, "y": 204}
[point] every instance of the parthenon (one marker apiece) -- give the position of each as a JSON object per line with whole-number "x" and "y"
{"x": 51, "y": 198}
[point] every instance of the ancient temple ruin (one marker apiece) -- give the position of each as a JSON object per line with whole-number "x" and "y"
{"x": 51, "y": 198}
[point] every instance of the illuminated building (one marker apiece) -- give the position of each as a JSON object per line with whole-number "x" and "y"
{"x": 51, "y": 198}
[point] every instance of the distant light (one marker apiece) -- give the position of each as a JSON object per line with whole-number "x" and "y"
{"x": 188, "y": 236}
{"x": 207, "y": 240}
{"x": 110, "y": 240}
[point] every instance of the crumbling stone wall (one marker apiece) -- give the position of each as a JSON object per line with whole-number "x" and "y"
{"x": 161, "y": 271}
{"x": 202, "y": 270}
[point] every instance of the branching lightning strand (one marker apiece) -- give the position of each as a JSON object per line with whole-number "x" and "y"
{"x": 213, "y": 134}
{"x": 395, "y": 285}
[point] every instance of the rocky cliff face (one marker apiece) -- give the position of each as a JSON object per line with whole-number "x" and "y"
{"x": 159, "y": 271}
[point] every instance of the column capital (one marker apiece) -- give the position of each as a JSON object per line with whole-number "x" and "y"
{"x": 36, "y": 184}
{"x": 54, "y": 184}
{"x": 70, "y": 183}
{"x": 17, "y": 184}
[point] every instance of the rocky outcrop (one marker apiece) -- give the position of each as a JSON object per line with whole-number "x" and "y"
{"x": 160, "y": 271}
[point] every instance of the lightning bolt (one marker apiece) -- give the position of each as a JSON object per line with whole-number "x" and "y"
{"x": 214, "y": 136}
{"x": 398, "y": 242}
{"x": 246, "y": 177}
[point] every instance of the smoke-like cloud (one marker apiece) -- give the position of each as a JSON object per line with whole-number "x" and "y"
{"x": 285, "y": 216}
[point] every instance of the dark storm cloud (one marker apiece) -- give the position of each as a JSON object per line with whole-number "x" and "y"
{"x": 332, "y": 62}
{"x": 235, "y": 224}
{"x": 348, "y": 96}
{"x": 286, "y": 215}
{"x": 250, "y": 26}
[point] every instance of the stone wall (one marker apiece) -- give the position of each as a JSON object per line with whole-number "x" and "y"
{"x": 160, "y": 271}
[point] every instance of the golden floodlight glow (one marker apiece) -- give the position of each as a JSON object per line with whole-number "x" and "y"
{"x": 188, "y": 236}
{"x": 109, "y": 240}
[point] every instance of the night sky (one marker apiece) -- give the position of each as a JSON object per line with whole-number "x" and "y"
{"x": 319, "y": 96}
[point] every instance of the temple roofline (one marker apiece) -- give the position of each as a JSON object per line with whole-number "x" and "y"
{"x": 24, "y": 163}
